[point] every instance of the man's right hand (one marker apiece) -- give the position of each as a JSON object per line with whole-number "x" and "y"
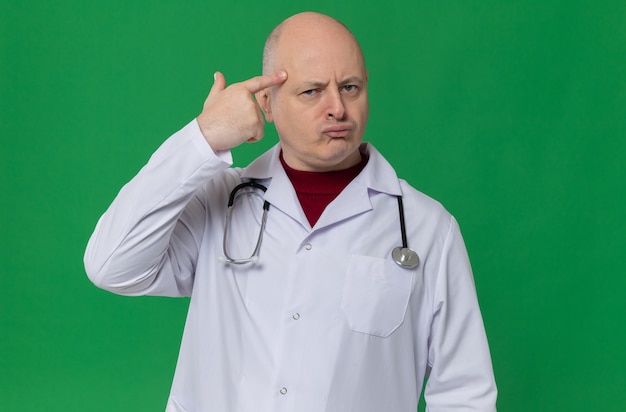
{"x": 231, "y": 115}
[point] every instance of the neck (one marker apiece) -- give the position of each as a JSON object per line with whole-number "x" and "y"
{"x": 316, "y": 190}
{"x": 350, "y": 161}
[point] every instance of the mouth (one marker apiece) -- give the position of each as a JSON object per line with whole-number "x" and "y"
{"x": 337, "y": 131}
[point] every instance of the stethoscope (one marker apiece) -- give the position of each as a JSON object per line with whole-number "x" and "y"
{"x": 402, "y": 255}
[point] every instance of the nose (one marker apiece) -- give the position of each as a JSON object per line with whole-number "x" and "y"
{"x": 335, "y": 107}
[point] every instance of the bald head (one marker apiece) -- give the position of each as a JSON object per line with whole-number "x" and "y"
{"x": 321, "y": 110}
{"x": 304, "y": 26}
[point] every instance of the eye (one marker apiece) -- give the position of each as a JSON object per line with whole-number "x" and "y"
{"x": 310, "y": 92}
{"x": 350, "y": 88}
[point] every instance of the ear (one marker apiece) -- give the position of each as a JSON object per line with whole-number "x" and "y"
{"x": 263, "y": 99}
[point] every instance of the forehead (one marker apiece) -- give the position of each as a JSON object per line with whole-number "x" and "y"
{"x": 319, "y": 52}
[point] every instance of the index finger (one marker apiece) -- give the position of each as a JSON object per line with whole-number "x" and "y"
{"x": 258, "y": 83}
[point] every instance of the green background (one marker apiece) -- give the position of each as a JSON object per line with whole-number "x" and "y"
{"x": 511, "y": 113}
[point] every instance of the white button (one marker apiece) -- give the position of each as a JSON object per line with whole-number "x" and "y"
{"x": 308, "y": 246}
{"x": 283, "y": 391}
{"x": 296, "y": 316}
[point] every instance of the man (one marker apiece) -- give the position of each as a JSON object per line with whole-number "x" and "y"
{"x": 320, "y": 317}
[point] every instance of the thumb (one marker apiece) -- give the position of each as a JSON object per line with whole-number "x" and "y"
{"x": 219, "y": 83}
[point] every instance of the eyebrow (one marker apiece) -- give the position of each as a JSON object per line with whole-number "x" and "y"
{"x": 319, "y": 84}
{"x": 352, "y": 79}
{"x": 314, "y": 84}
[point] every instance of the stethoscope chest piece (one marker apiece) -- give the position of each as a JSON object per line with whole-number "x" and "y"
{"x": 405, "y": 257}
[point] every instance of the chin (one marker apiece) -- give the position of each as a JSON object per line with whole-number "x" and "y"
{"x": 342, "y": 159}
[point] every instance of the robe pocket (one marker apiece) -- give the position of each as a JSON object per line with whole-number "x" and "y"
{"x": 376, "y": 295}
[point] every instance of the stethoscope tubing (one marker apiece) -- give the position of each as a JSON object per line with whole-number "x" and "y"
{"x": 231, "y": 200}
{"x": 402, "y": 255}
